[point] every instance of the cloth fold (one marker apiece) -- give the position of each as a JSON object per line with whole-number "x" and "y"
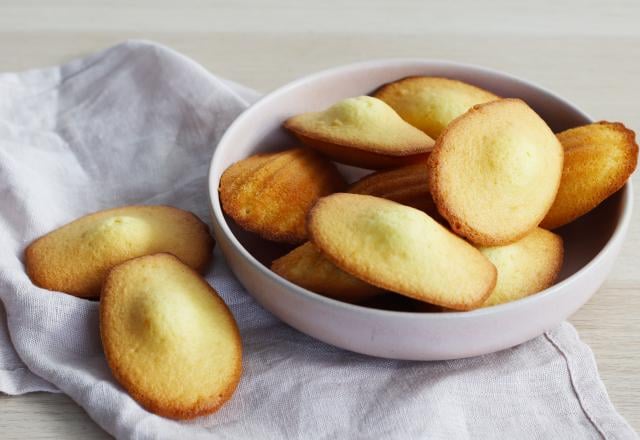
{"x": 138, "y": 123}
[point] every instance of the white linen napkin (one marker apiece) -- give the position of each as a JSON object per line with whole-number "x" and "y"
{"x": 138, "y": 123}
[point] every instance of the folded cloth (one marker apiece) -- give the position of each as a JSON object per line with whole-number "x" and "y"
{"x": 138, "y": 123}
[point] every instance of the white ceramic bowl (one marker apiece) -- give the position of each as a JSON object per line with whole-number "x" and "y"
{"x": 591, "y": 243}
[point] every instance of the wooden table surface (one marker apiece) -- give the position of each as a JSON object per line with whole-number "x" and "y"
{"x": 586, "y": 50}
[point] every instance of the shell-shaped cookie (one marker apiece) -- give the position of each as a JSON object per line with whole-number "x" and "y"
{"x": 401, "y": 249}
{"x": 598, "y": 160}
{"x": 270, "y": 194}
{"x": 527, "y": 266}
{"x": 169, "y": 339}
{"x": 431, "y": 103}
{"x": 308, "y": 268}
{"x": 408, "y": 185}
{"x": 76, "y": 257}
{"x": 495, "y": 171}
{"x": 361, "y": 131}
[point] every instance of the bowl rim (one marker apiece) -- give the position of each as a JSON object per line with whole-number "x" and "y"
{"x": 556, "y": 289}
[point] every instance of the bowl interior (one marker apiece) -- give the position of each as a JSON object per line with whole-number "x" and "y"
{"x": 259, "y": 130}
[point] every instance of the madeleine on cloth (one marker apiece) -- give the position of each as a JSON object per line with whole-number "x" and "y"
{"x": 169, "y": 339}
{"x": 76, "y": 257}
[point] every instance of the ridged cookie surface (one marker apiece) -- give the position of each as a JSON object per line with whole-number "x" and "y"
{"x": 308, "y": 268}
{"x": 408, "y": 185}
{"x": 169, "y": 339}
{"x": 76, "y": 257}
{"x": 401, "y": 249}
{"x": 361, "y": 131}
{"x": 431, "y": 103}
{"x": 598, "y": 160}
{"x": 270, "y": 194}
{"x": 527, "y": 266}
{"x": 495, "y": 171}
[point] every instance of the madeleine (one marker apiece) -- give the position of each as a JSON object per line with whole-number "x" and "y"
{"x": 77, "y": 257}
{"x": 401, "y": 249}
{"x": 363, "y": 132}
{"x": 308, "y": 268}
{"x": 270, "y": 194}
{"x": 169, "y": 339}
{"x": 431, "y": 103}
{"x": 598, "y": 160}
{"x": 495, "y": 172}
{"x": 527, "y": 266}
{"x": 408, "y": 185}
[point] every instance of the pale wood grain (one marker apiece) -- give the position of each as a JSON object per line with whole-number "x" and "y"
{"x": 588, "y": 51}
{"x": 45, "y": 416}
{"x": 495, "y": 17}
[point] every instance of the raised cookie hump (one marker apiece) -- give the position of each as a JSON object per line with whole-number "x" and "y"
{"x": 271, "y": 194}
{"x": 495, "y": 171}
{"x": 401, "y": 249}
{"x": 308, "y": 268}
{"x": 527, "y": 266}
{"x": 76, "y": 257}
{"x": 361, "y": 131}
{"x": 598, "y": 160}
{"x": 431, "y": 103}
{"x": 169, "y": 339}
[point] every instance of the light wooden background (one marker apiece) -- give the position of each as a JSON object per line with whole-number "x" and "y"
{"x": 586, "y": 50}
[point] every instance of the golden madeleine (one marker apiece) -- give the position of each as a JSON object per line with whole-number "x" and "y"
{"x": 407, "y": 185}
{"x": 362, "y": 131}
{"x": 308, "y": 268}
{"x": 431, "y": 103}
{"x": 527, "y": 266}
{"x": 598, "y": 160}
{"x": 241, "y": 171}
{"x": 169, "y": 339}
{"x": 76, "y": 257}
{"x": 495, "y": 171}
{"x": 270, "y": 194}
{"x": 401, "y": 249}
